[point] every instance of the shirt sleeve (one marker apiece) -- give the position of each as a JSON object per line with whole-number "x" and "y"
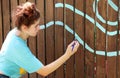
{"x": 22, "y": 56}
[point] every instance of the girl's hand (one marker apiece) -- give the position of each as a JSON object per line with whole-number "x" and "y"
{"x": 72, "y": 48}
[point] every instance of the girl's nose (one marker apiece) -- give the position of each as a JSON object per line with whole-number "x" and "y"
{"x": 38, "y": 27}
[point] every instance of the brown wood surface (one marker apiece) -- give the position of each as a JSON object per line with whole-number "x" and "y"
{"x": 41, "y": 34}
{"x": 79, "y": 29}
{"x": 59, "y": 39}
{"x": 118, "y": 44}
{"x": 1, "y": 27}
{"x": 50, "y": 37}
{"x": 13, "y": 4}
{"x": 101, "y": 42}
{"x": 69, "y": 16}
{"x": 111, "y": 42}
{"x": 6, "y": 16}
{"x": 51, "y": 43}
{"x": 89, "y": 40}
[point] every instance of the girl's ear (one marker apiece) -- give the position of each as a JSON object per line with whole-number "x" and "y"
{"x": 24, "y": 27}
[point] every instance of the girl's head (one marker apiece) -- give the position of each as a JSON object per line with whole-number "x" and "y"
{"x": 25, "y": 14}
{"x": 26, "y": 18}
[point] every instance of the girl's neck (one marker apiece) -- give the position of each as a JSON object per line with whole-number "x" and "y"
{"x": 22, "y": 34}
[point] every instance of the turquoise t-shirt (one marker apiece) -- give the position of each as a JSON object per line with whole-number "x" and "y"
{"x": 16, "y": 58}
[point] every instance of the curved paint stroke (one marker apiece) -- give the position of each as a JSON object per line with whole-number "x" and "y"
{"x": 60, "y": 23}
{"x": 100, "y": 17}
{"x": 114, "y": 6}
{"x": 110, "y": 33}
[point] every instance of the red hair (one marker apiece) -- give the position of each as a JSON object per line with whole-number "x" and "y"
{"x": 25, "y": 14}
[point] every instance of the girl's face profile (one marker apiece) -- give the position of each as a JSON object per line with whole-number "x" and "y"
{"x": 33, "y": 29}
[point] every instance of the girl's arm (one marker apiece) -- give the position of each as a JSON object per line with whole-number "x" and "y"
{"x": 47, "y": 69}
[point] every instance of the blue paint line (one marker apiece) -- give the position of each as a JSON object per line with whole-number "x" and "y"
{"x": 59, "y": 23}
{"x": 110, "y": 33}
{"x": 100, "y": 17}
{"x": 114, "y": 6}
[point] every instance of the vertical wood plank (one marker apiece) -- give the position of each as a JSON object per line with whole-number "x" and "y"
{"x": 14, "y": 3}
{"x": 50, "y": 45}
{"x": 21, "y": 1}
{"x": 6, "y": 17}
{"x": 1, "y": 25}
{"x": 101, "y": 40}
{"x": 59, "y": 39}
{"x": 79, "y": 29}
{"x": 69, "y": 73}
{"x": 119, "y": 42}
{"x": 41, "y": 34}
{"x": 111, "y": 41}
{"x": 118, "y": 57}
{"x": 33, "y": 1}
{"x": 89, "y": 40}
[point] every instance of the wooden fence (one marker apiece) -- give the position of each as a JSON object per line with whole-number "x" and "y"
{"x": 94, "y": 23}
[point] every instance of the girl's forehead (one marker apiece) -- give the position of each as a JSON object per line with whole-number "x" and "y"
{"x": 36, "y": 23}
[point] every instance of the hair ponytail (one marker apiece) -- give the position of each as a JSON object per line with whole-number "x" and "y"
{"x": 25, "y": 14}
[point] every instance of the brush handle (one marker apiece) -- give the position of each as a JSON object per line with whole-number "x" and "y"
{"x": 73, "y": 46}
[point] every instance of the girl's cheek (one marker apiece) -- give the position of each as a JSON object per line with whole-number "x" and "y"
{"x": 37, "y": 28}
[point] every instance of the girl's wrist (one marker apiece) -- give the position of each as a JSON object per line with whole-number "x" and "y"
{"x": 67, "y": 55}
